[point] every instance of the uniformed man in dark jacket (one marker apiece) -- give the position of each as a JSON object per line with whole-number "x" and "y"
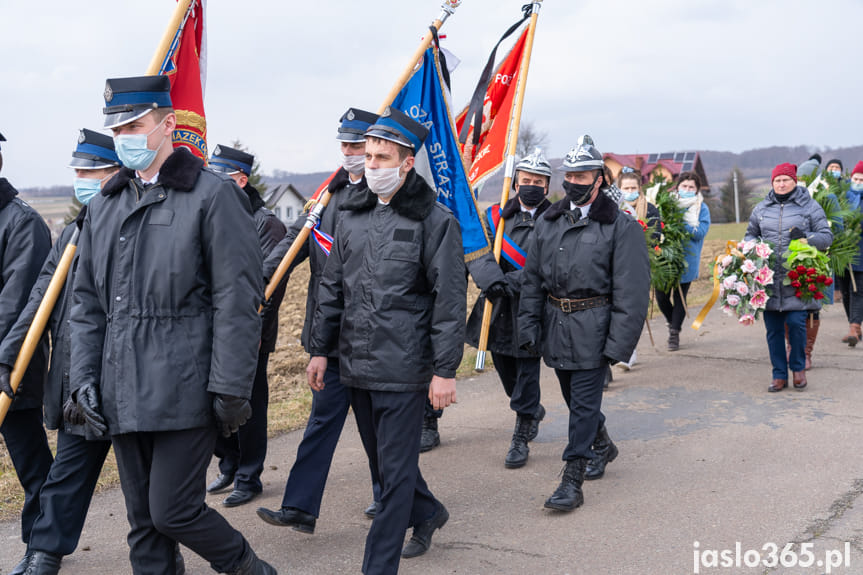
{"x": 518, "y": 369}
{"x": 392, "y": 298}
{"x": 583, "y": 300}
{"x": 165, "y": 328}
{"x": 24, "y": 244}
{"x": 301, "y": 504}
{"x": 241, "y": 456}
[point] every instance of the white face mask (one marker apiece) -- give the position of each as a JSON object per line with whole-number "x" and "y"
{"x": 354, "y": 164}
{"x": 384, "y": 181}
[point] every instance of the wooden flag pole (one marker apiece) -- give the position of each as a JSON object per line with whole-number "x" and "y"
{"x": 43, "y": 313}
{"x": 508, "y": 173}
{"x": 319, "y": 203}
{"x": 180, "y": 12}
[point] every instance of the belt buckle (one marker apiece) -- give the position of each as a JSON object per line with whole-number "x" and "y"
{"x": 565, "y": 305}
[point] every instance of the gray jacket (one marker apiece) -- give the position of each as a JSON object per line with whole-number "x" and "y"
{"x": 602, "y": 255}
{"x": 24, "y": 244}
{"x": 772, "y": 221}
{"x": 393, "y": 293}
{"x": 166, "y": 296}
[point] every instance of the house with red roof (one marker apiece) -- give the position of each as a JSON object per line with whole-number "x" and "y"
{"x": 669, "y": 165}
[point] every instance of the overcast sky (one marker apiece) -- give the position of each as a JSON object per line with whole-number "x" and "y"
{"x": 639, "y": 76}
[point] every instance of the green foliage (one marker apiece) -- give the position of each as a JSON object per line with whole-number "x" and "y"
{"x": 668, "y": 258}
{"x": 74, "y": 209}
{"x": 845, "y": 221}
{"x": 808, "y": 271}
{"x": 722, "y": 208}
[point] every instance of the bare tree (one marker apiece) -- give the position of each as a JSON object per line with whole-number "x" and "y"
{"x": 529, "y": 137}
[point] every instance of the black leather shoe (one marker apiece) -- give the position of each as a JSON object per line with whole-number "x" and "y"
{"x": 430, "y": 437}
{"x": 421, "y": 539}
{"x": 179, "y": 562}
{"x": 518, "y": 450}
{"x": 605, "y": 451}
{"x": 239, "y": 497}
{"x": 371, "y": 510}
{"x": 250, "y": 565}
{"x": 43, "y": 563}
{"x": 22, "y": 565}
{"x": 568, "y": 494}
{"x": 534, "y": 423}
{"x": 220, "y": 483}
{"x": 289, "y": 517}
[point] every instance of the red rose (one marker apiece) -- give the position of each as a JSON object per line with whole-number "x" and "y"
{"x": 801, "y": 269}
{"x": 657, "y": 249}
{"x": 828, "y": 281}
{"x": 820, "y": 279}
{"x": 793, "y": 274}
{"x": 798, "y": 294}
{"x": 795, "y": 284}
{"x": 813, "y": 287}
{"x": 811, "y": 272}
{"x": 662, "y": 225}
{"x": 818, "y": 295}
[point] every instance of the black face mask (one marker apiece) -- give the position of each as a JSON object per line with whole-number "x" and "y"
{"x": 578, "y": 194}
{"x": 531, "y": 196}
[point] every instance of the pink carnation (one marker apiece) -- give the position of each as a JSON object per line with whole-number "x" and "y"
{"x": 748, "y": 267}
{"x": 747, "y": 319}
{"x": 763, "y": 250}
{"x": 758, "y": 299}
{"x": 728, "y": 283}
{"x": 764, "y": 276}
{"x": 742, "y": 288}
{"x": 726, "y": 261}
{"x": 733, "y": 300}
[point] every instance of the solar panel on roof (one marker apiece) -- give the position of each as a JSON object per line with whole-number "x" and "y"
{"x": 687, "y": 166}
{"x": 679, "y": 156}
{"x": 690, "y": 156}
{"x": 667, "y": 156}
{"x": 652, "y": 158}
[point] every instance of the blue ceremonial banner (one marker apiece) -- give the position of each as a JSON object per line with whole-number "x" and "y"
{"x": 423, "y": 98}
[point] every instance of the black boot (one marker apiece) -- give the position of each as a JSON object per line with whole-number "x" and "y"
{"x": 22, "y": 565}
{"x": 179, "y": 562}
{"x": 430, "y": 438}
{"x": 673, "y": 339}
{"x": 605, "y": 451}
{"x": 568, "y": 494}
{"x": 518, "y": 450}
{"x": 43, "y": 563}
{"x": 421, "y": 538}
{"x": 251, "y": 565}
{"x": 534, "y": 423}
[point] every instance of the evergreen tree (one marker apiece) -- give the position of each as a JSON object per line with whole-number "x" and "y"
{"x": 256, "y": 178}
{"x": 722, "y": 208}
{"x": 73, "y": 211}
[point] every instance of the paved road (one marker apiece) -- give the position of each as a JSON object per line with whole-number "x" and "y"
{"x": 708, "y": 459}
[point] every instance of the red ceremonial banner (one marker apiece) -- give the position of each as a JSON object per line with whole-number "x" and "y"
{"x": 490, "y": 154}
{"x": 183, "y": 65}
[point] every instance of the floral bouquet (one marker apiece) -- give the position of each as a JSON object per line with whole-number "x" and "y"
{"x": 745, "y": 279}
{"x": 808, "y": 271}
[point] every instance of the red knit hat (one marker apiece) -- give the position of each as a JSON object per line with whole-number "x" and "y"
{"x": 785, "y": 169}
{"x": 858, "y": 169}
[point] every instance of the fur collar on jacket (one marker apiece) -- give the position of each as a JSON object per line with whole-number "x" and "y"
{"x": 179, "y": 172}
{"x": 254, "y": 197}
{"x": 7, "y": 192}
{"x": 603, "y": 210}
{"x": 415, "y": 200}
{"x": 512, "y": 207}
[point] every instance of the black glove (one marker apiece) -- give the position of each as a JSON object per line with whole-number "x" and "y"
{"x": 498, "y": 290}
{"x": 796, "y": 233}
{"x": 87, "y": 398}
{"x": 339, "y": 181}
{"x": 5, "y": 386}
{"x": 72, "y": 413}
{"x": 231, "y": 413}
{"x": 610, "y": 361}
{"x": 530, "y": 347}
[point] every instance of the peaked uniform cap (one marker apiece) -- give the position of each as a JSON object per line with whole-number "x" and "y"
{"x": 127, "y": 99}
{"x": 354, "y": 124}
{"x": 94, "y": 152}
{"x": 231, "y": 160}
{"x": 396, "y": 126}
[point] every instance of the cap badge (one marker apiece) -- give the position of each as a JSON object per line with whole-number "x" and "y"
{"x": 109, "y": 93}
{"x": 350, "y": 115}
{"x": 81, "y": 137}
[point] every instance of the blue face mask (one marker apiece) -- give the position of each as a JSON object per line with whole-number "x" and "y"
{"x": 857, "y": 187}
{"x": 86, "y": 188}
{"x": 133, "y": 151}
{"x": 835, "y": 173}
{"x": 685, "y": 194}
{"x": 630, "y": 197}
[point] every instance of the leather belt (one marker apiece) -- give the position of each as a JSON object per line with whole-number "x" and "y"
{"x": 567, "y": 305}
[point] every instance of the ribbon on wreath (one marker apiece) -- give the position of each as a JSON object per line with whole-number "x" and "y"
{"x": 730, "y": 250}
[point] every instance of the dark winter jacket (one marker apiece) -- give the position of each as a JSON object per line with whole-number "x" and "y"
{"x": 166, "y": 296}
{"x": 503, "y": 332}
{"x": 24, "y": 244}
{"x": 393, "y": 291}
{"x": 57, "y": 384}
{"x": 602, "y": 255}
{"x": 341, "y": 189}
{"x": 270, "y": 231}
{"x": 772, "y": 221}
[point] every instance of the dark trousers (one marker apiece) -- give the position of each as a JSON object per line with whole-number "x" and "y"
{"x": 390, "y": 427}
{"x": 242, "y": 455}
{"x": 520, "y": 378}
{"x": 672, "y": 306}
{"x": 66, "y": 494}
{"x": 852, "y": 300}
{"x": 775, "y": 322}
{"x": 28, "y": 449}
{"x": 305, "y": 487}
{"x": 582, "y": 392}
{"x": 163, "y": 477}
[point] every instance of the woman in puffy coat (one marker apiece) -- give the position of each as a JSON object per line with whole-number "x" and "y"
{"x": 787, "y": 213}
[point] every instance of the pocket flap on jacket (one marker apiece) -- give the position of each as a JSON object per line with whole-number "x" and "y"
{"x": 161, "y": 217}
